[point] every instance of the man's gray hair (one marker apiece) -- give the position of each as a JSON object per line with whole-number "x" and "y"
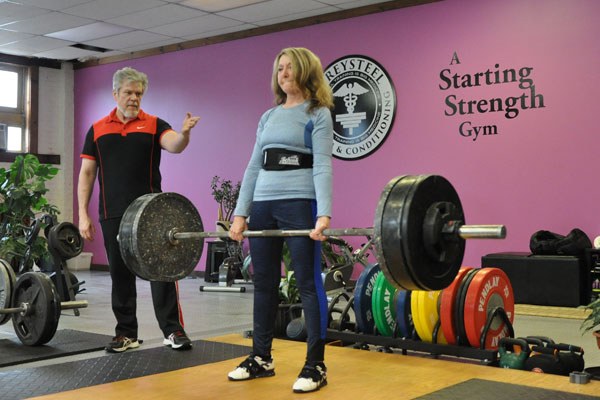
{"x": 129, "y": 74}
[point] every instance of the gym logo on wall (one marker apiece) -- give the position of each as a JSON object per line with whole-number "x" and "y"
{"x": 365, "y": 105}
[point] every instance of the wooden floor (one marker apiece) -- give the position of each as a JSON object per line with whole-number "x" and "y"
{"x": 351, "y": 374}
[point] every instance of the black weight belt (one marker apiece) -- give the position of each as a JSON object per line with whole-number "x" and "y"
{"x": 276, "y": 159}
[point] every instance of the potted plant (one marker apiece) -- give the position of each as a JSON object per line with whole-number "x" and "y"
{"x": 225, "y": 194}
{"x": 592, "y": 321}
{"x": 22, "y": 190}
{"x": 289, "y": 296}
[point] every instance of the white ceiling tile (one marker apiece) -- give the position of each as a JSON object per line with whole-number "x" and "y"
{"x": 16, "y": 52}
{"x": 36, "y": 44}
{"x": 357, "y": 3}
{"x": 89, "y": 32}
{"x": 52, "y": 4}
{"x": 336, "y": 2}
{"x": 156, "y": 16}
{"x": 9, "y": 36}
{"x": 208, "y": 22}
{"x": 152, "y": 45}
{"x": 66, "y": 53}
{"x": 218, "y": 5}
{"x": 10, "y": 12}
{"x": 113, "y": 53}
{"x": 291, "y": 17}
{"x": 106, "y": 9}
{"x": 129, "y": 39}
{"x": 128, "y": 25}
{"x": 47, "y": 23}
{"x": 270, "y": 9}
{"x": 222, "y": 31}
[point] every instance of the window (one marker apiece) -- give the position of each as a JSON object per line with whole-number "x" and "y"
{"x": 19, "y": 106}
{"x": 13, "y": 110}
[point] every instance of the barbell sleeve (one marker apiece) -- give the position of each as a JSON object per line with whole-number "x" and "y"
{"x": 482, "y": 231}
{"x": 69, "y": 305}
{"x": 65, "y": 305}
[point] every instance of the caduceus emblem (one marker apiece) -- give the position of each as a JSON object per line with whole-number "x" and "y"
{"x": 349, "y": 92}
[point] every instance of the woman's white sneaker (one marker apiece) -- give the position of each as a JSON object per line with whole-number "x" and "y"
{"x": 252, "y": 367}
{"x": 311, "y": 378}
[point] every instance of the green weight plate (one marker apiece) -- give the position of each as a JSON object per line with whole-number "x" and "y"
{"x": 382, "y": 303}
{"x": 144, "y": 237}
{"x": 38, "y": 323}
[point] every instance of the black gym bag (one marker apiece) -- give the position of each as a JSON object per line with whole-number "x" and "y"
{"x": 550, "y": 243}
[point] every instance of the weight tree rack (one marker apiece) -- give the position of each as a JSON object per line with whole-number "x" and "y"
{"x": 346, "y": 333}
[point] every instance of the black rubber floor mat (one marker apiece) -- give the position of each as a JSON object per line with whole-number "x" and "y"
{"x": 65, "y": 342}
{"x": 25, "y": 383}
{"x": 478, "y": 389}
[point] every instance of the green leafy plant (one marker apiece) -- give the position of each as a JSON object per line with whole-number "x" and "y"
{"x": 225, "y": 194}
{"x": 592, "y": 321}
{"x": 22, "y": 196}
{"x": 288, "y": 290}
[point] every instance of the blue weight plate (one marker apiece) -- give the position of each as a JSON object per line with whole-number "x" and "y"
{"x": 363, "y": 293}
{"x": 403, "y": 313}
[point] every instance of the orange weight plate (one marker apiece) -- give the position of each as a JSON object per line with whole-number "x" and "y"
{"x": 447, "y": 308}
{"x": 490, "y": 288}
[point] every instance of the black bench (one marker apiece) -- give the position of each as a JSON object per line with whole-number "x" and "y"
{"x": 544, "y": 280}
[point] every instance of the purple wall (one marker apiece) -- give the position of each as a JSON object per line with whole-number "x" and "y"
{"x": 537, "y": 172}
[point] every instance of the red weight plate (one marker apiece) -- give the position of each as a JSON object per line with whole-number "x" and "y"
{"x": 490, "y": 288}
{"x": 447, "y": 308}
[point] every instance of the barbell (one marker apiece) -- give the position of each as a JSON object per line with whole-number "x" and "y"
{"x": 419, "y": 234}
{"x": 36, "y": 305}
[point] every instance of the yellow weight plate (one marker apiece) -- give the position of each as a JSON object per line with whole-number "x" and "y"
{"x": 416, "y": 314}
{"x": 429, "y": 315}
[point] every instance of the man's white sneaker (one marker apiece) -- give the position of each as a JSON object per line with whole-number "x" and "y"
{"x": 178, "y": 340}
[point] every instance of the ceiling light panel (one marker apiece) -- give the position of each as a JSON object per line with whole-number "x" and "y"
{"x": 218, "y": 5}
{"x": 47, "y": 23}
{"x": 89, "y": 32}
{"x": 270, "y": 9}
{"x": 106, "y": 9}
{"x": 153, "y": 17}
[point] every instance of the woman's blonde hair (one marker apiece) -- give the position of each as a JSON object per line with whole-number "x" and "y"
{"x": 308, "y": 74}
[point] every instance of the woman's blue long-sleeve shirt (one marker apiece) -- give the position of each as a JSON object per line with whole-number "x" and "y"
{"x": 292, "y": 129}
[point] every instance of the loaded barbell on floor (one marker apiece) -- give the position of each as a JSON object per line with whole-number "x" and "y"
{"x": 36, "y": 305}
{"x": 419, "y": 231}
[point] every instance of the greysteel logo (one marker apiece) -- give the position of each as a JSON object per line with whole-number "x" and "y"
{"x": 365, "y": 105}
